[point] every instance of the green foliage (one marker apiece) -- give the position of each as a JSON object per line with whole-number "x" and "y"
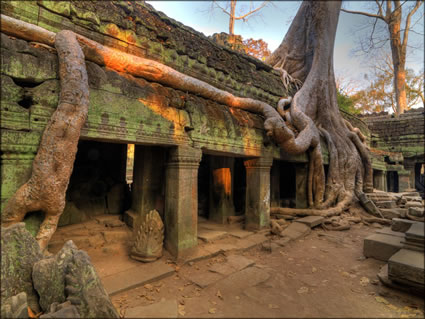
{"x": 346, "y": 103}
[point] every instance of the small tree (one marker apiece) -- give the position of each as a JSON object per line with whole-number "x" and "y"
{"x": 230, "y": 10}
{"x": 256, "y": 48}
{"x": 398, "y": 36}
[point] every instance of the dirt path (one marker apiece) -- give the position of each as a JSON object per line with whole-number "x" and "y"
{"x": 322, "y": 275}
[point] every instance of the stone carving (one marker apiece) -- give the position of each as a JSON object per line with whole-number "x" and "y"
{"x": 15, "y": 307}
{"x": 150, "y": 238}
{"x": 19, "y": 252}
{"x": 71, "y": 276}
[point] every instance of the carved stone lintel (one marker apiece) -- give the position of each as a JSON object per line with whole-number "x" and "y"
{"x": 261, "y": 162}
{"x": 150, "y": 238}
{"x": 184, "y": 157}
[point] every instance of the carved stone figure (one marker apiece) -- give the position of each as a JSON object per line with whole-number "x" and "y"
{"x": 150, "y": 238}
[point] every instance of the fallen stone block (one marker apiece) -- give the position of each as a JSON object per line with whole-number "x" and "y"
{"x": 413, "y": 198}
{"x": 240, "y": 233}
{"x": 389, "y": 231}
{"x": 233, "y": 263}
{"x": 136, "y": 276}
{"x": 411, "y": 288}
{"x": 401, "y": 225}
{"x": 129, "y": 218}
{"x": 15, "y": 306}
{"x": 296, "y": 230}
{"x": 386, "y": 204}
{"x": 208, "y": 235}
{"x": 162, "y": 309}
{"x": 204, "y": 279}
{"x": 311, "y": 221}
{"x": 380, "y": 246}
{"x": 407, "y": 266}
{"x": 283, "y": 241}
{"x": 390, "y": 213}
{"x": 19, "y": 252}
{"x": 414, "y": 204}
{"x": 416, "y": 211}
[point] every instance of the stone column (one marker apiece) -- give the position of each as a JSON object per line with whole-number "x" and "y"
{"x": 410, "y": 167}
{"x": 385, "y": 181}
{"x": 275, "y": 185}
{"x": 404, "y": 181}
{"x": 221, "y": 188}
{"x": 301, "y": 178}
{"x": 379, "y": 180}
{"x": 257, "y": 203}
{"x": 181, "y": 199}
{"x": 148, "y": 179}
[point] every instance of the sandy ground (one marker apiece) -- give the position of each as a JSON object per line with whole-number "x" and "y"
{"x": 322, "y": 275}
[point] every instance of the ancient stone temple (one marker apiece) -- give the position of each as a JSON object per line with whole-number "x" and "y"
{"x": 193, "y": 156}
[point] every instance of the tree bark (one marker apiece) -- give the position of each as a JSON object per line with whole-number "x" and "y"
{"x": 306, "y": 54}
{"x": 52, "y": 166}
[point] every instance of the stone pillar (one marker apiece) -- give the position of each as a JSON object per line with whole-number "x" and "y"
{"x": 148, "y": 179}
{"x": 221, "y": 189}
{"x": 404, "y": 181}
{"x": 275, "y": 185}
{"x": 385, "y": 181}
{"x": 257, "y": 203}
{"x": 379, "y": 180}
{"x": 181, "y": 199}
{"x": 410, "y": 167}
{"x": 301, "y": 178}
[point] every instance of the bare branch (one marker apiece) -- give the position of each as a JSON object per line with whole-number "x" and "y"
{"x": 220, "y": 7}
{"x": 252, "y": 11}
{"x": 406, "y": 30}
{"x": 378, "y": 16}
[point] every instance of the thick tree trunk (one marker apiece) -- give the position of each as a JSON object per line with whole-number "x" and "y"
{"x": 399, "y": 61}
{"x": 53, "y": 164}
{"x": 306, "y": 55}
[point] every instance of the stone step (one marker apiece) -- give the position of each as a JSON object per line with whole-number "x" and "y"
{"x": 381, "y": 246}
{"x": 407, "y": 266}
{"x": 416, "y": 231}
{"x": 209, "y": 235}
{"x": 136, "y": 276}
{"x": 296, "y": 230}
{"x": 389, "y": 231}
{"x": 311, "y": 221}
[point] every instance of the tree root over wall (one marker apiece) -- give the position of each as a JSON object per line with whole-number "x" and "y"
{"x": 306, "y": 54}
{"x": 53, "y": 164}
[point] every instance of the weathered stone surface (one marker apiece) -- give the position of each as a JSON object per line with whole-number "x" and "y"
{"x": 63, "y": 310}
{"x": 136, "y": 276}
{"x": 203, "y": 280}
{"x": 85, "y": 290}
{"x": 235, "y": 219}
{"x": 234, "y": 263}
{"x": 388, "y": 231}
{"x": 416, "y": 211}
{"x": 19, "y": 252}
{"x": 283, "y": 241}
{"x": 401, "y": 225}
{"x": 386, "y": 204}
{"x": 410, "y": 288}
{"x": 311, "y": 221}
{"x": 296, "y": 230}
{"x": 407, "y": 266}
{"x": 380, "y": 246}
{"x": 240, "y": 233}
{"x": 390, "y": 213}
{"x": 210, "y": 235}
{"x": 15, "y": 306}
{"x": 162, "y": 309}
{"x": 150, "y": 238}
{"x": 248, "y": 277}
{"x": 49, "y": 276}
{"x": 414, "y": 204}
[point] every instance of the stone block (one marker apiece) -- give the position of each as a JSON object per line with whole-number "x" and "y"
{"x": 407, "y": 266}
{"x": 296, "y": 230}
{"x": 129, "y": 218}
{"x": 240, "y": 233}
{"x": 311, "y": 221}
{"x": 416, "y": 211}
{"x": 380, "y": 246}
{"x": 210, "y": 235}
{"x": 386, "y": 204}
{"x": 388, "y": 231}
{"x": 414, "y": 204}
{"x": 401, "y": 225}
{"x": 163, "y": 309}
{"x": 136, "y": 276}
{"x": 390, "y": 213}
{"x": 204, "y": 279}
{"x": 416, "y": 231}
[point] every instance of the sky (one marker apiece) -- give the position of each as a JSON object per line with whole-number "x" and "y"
{"x": 274, "y": 20}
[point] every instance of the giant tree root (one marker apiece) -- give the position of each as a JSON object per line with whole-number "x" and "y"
{"x": 53, "y": 164}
